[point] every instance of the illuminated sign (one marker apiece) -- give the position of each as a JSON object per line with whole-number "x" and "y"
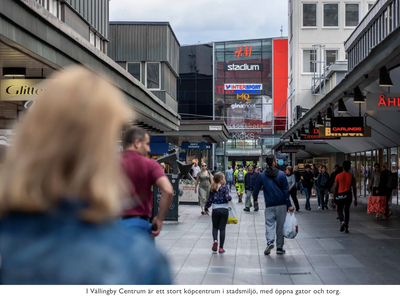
{"x": 243, "y": 97}
{"x": 347, "y": 125}
{"x": 243, "y": 67}
{"x": 315, "y": 135}
{"x": 240, "y": 52}
{"x": 383, "y": 102}
{"x": 242, "y": 87}
{"x": 243, "y": 106}
{"x": 326, "y": 132}
{"x": 20, "y": 89}
{"x": 242, "y": 136}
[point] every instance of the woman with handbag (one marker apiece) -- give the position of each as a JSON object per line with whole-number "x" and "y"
{"x": 374, "y": 184}
{"x": 218, "y": 198}
{"x": 342, "y": 194}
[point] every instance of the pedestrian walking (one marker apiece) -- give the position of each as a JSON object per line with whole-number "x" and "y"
{"x": 61, "y": 189}
{"x": 277, "y": 202}
{"x": 385, "y": 188}
{"x": 308, "y": 182}
{"x": 205, "y": 179}
{"x": 214, "y": 171}
{"x": 375, "y": 183}
{"x": 238, "y": 179}
{"x": 144, "y": 173}
{"x": 229, "y": 178}
{"x": 218, "y": 198}
{"x": 250, "y": 180}
{"x": 342, "y": 193}
{"x": 323, "y": 184}
{"x": 196, "y": 169}
{"x": 315, "y": 172}
{"x": 291, "y": 179}
{"x": 297, "y": 176}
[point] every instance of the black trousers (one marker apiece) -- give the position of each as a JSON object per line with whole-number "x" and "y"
{"x": 219, "y": 218}
{"x": 346, "y": 206}
{"x": 293, "y": 194}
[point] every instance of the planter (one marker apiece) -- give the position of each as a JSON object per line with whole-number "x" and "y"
{"x": 189, "y": 194}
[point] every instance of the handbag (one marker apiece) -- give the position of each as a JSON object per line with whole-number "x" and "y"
{"x": 232, "y": 217}
{"x": 290, "y": 227}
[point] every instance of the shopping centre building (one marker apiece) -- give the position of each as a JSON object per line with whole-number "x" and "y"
{"x": 40, "y": 37}
{"x": 359, "y": 116}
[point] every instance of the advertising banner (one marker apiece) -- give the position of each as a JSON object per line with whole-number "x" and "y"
{"x": 325, "y": 132}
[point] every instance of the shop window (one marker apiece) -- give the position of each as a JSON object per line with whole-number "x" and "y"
{"x": 153, "y": 76}
{"x": 309, "y": 61}
{"x": 352, "y": 14}
{"x": 331, "y": 15}
{"x": 330, "y": 57}
{"x": 309, "y": 15}
{"x": 134, "y": 68}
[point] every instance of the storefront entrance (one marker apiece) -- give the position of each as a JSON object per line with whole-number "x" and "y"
{"x": 246, "y": 161}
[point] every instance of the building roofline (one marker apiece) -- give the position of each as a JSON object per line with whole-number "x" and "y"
{"x": 157, "y": 23}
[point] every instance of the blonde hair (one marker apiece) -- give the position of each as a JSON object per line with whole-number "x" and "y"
{"x": 217, "y": 179}
{"x": 66, "y": 147}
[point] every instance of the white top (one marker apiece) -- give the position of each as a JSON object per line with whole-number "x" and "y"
{"x": 195, "y": 171}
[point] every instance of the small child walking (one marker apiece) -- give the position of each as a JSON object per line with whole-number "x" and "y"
{"x": 218, "y": 198}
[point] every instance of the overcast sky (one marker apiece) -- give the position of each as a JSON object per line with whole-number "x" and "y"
{"x": 204, "y": 21}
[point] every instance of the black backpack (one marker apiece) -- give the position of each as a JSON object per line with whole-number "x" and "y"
{"x": 240, "y": 176}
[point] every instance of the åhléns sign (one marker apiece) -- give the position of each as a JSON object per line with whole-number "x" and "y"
{"x": 383, "y": 102}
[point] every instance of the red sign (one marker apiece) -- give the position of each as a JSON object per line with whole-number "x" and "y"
{"x": 383, "y": 101}
{"x": 315, "y": 136}
{"x": 243, "y": 53}
{"x": 388, "y": 102}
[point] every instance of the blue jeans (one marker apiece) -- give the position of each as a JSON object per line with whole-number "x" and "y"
{"x": 308, "y": 192}
{"x": 136, "y": 224}
{"x": 300, "y": 187}
{"x": 229, "y": 183}
{"x": 318, "y": 197}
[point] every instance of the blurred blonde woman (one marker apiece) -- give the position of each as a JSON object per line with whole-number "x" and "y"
{"x": 60, "y": 191}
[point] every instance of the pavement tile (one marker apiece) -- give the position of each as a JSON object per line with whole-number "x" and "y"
{"x": 217, "y": 279}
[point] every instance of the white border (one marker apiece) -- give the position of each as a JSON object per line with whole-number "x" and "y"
{"x": 316, "y": 15}
{"x": 344, "y": 14}
{"x": 330, "y": 27}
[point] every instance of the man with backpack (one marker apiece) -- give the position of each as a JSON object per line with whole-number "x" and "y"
{"x": 238, "y": 180}
{"x": 323, "y": 183}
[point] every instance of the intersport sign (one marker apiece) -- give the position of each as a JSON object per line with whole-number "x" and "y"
{"x": 243, "y": 67}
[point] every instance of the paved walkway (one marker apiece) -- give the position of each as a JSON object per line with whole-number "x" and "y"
{"x": 320, "y": 254}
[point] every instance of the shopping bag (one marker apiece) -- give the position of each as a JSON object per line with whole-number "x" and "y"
{"x": 376, "y": 204}
{"x": 232, "y": 218}
{"x": 290, "y": 228}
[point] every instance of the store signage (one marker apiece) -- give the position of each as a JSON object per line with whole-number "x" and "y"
{"x": 243, "y": 106}
{"x": 315, "y": 135}
{"x": 240, "y": 52}
{"x": 242, "y": 136}
{"x": 243, "y": 87}
{"x": 243, "y": 97}
{"x": 201, "y": 145}
{"x": 383, "y": 102}
{"x": 215, "y": 127}
{"x": 326, "y": 132}
{"x": 222, "y": 90}
{"x": 243, "y": 67}
{"x": 293, "y": 147}
{"x": 347, "y": 125}
{"x": 20, "y": 89}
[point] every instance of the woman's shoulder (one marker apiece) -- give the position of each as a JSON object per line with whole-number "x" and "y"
{"x": 222, "y": 188}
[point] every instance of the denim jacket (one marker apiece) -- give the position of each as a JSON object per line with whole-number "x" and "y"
{"x": 58, "y": 248}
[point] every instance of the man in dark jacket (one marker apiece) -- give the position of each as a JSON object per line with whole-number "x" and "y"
{"x": 323, "y": 183}
{"x": 249, "y": 181}
{"x": 277, "y": 202}
{"x": 308, "y": 182}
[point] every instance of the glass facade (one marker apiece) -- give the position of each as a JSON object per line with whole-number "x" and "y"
{"x": 243, "y": 94}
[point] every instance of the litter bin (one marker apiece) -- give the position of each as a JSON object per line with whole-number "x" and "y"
{"x": 172, "y": 214}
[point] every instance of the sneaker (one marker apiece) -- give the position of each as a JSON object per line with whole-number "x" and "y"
{"x": 221, "y": 250}
{"x": 346, "y": 230}
{"x": 280, "y": 251}
{"x": 256, "y": 207}
{"x": 267, "y": 250}
{"x": 246, "y": 209}
{"x": 319, "y": 207}
{"x": 342, "y": 226}
{"x": 215, "y": 246}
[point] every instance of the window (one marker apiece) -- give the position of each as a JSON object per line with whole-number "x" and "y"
{"x": 309, "y": 61}
{"x": 134, "y": 69}
{"x": 53, "y": 7}
{"x": 309, "y": 15}
{"x": 98, "y": 43}
{"x": 352, "y": 15}
{"x": 370, "y": 5}
{"x": 153, "y": 76}
{"x": 331, "y": 15}
{"x": 330, "y": 57}
{"x": 92, "y": 37}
